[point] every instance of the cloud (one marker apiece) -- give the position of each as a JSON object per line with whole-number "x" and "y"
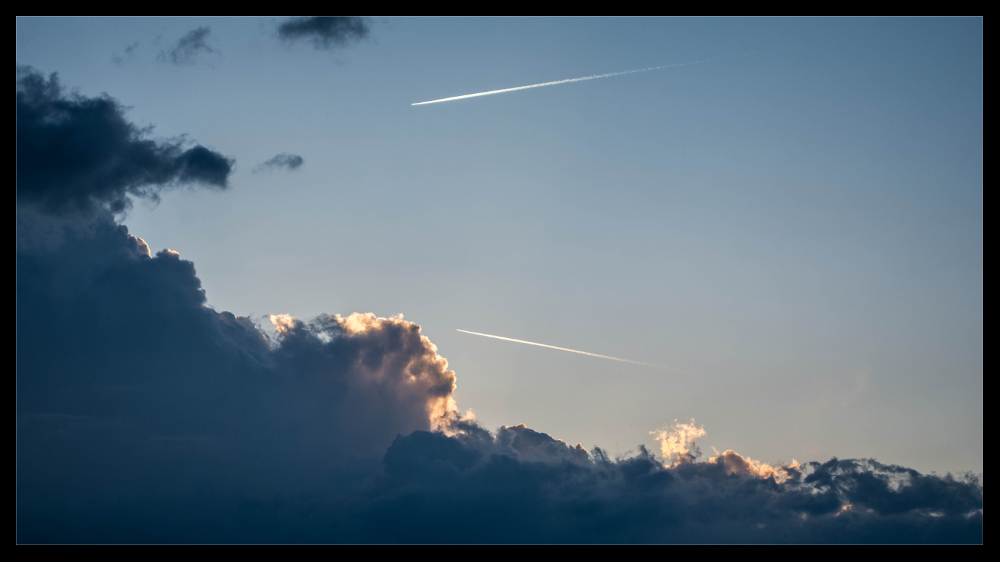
{"x": 76, "y": 153}
{"x": 145, "y": 415}
{"x": 324, "y": 32}
{"x": 190, "y": 46}
{"x": 129, "y": 52}
{"x": 371, "y": 377}
{"x": 442, "y": 489}
{"x": 283, "y": 160}
{"x": 677, "y": 442}
{"x": 130, "y": 389}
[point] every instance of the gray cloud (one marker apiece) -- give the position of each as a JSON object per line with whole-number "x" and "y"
{"x": 283, "y": 160}
{"x": 189, "y": 47}
{"x": 78, "y": 153}
{"x": 488, "y": 491}
{"x": 324, "y": 32}
{"x": 145, "y": 416}
{"x": 131, "y": 389}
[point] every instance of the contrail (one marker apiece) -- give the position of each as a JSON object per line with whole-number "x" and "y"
{"x": 568, "y": 80}
{"x": 571, "y": 350}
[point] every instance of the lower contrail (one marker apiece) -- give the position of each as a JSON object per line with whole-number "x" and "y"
{"x": 570, "y": 350}
{"x": 568, "y": 80}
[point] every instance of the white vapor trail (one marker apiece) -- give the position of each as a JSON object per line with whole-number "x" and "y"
{"x": 568, "y": 80}
{"x": 570, "y": 350}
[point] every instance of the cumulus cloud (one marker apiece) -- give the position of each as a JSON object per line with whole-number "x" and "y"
{"x": 145, "y": 415}
{"x": 189, "y": 47}
{"x": 283, "y": 160}
{"x": 488, "y": 491}
{"x": 677, "y": 442}
{"x": 76, "y": 153}
{"x": 371, "y": 377}
{"x": 134, "y": 397}
{"x": 160, "y": 419}
{"x": 734, "y": 463}
{"x": 324, "y": 32}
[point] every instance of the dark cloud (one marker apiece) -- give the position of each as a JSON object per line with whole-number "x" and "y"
{"x": 130, "y": 389}
{"x": 283, "y": 160}
{"x": 187, "y": 50}
{"x": 79, "y": 153}
{"x": 324, "y": 32}
{"x": 144, "y": 415}
{"x": 441, "y": 489}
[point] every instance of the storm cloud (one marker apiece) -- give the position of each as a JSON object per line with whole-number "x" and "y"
{"x": 145, "y": 415}
{"x": 324, "y": 32}
{"x": 78, "y": 153}
{"x": 492, "y": 491}
{"x": 134, "y": 398}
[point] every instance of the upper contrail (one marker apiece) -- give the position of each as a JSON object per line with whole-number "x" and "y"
{"x": 568, "y": 80}
{"x": 571, "y": 350}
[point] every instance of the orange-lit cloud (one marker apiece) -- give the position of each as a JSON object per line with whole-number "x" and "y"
{"x": 677, "y": 440}
{"x": 408, "y": 364}
{"x": 734, "y": 463}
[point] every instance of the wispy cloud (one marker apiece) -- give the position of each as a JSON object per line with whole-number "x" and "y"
{"x": 129, "y": 52}
{"x": 283, "y": 160}
{"x": 187, "y": 50}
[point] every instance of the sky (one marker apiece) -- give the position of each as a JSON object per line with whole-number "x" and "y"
{"x": 794, "y": 227}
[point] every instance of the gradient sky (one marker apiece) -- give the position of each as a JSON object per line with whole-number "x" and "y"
{"x": 800, "y": 231}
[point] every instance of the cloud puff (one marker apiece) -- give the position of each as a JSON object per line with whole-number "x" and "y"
{"x": 677, "y": 442}
{"x": 78, "y": 153}
{"x": 370, "y": 377}
{"x": 189, "y": 47}
{"x": 324, "y": 32}
{"x": 283, "y": 160}
{"x": 145, "y": 415}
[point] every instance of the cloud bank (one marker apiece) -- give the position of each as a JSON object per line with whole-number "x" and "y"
{"x": 79, "y": 153}
{"x": 324, "y": 32}
{"x": 145, "y": 415}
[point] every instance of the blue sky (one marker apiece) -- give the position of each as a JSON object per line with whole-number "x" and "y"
{"x": 800, "y": 230}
